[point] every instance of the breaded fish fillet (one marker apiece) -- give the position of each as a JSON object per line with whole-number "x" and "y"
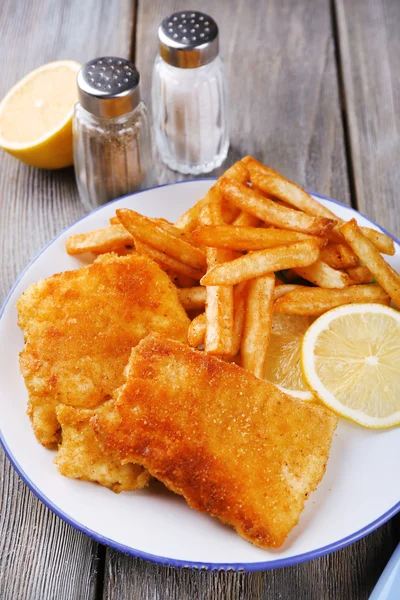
{"x": 80, "y": 327}
{"x": 231, "y": 444}
{"x": 80, "y": 456}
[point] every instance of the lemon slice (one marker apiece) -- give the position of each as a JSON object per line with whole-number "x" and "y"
{"x": 282, "y": 365}
{"x": 36, "y": 116}
{"x": 350, "y": 359}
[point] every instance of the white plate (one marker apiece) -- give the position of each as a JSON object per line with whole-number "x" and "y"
{"x": 359, "y": 492}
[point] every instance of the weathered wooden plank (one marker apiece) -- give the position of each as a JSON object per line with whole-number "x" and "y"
{"x": 349, "y": 574}
{"x": 285, "y": 110}
{"x": 283, "y": 85}
{"x": 40, "y": 556}
{"x": 370, "y": 61}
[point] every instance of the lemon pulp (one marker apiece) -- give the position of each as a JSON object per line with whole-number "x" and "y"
{"x": 282, "y": 366}
{"x": 351, "y": 361}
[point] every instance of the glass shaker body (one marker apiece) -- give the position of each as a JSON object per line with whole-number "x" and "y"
{"x": 111, "y": 155}
{"x": 190, "y": 115}
{"x": 189, "y": 94}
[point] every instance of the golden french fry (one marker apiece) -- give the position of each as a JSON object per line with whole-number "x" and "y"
{"x": 323, "y": 275}
{"x": 188, "y": 221}
{"x": 339, "y": 256}
{"x": 229, "y": 212}
{"x": 369, "y": 255}
{"x": 285, "y": 288}
{"x": 267, "y": 210}
{"x": 100, "y": 241}
{"x": 256, "y": 264}
{"x": 168, "y": 262}
{"x": 239, "y": 313}
{"x": 178, "y": 233}
{"x": 257, "y": 324}
{"x": 360, "y": 274}
{"x": 219, "y": 299}
{"x": 238, "y": 171}
{"x": 192, "y": 298}
{"x": 381, "y": 241}
{"x": 274, "y": 184}
{"x": 249, "y": 238}
{"x": 245, "y": 219}
{"x": 197, "y": 331}
{"x": 145, "y": 230}
{"x": 219, "y": 314}
{"x": 316, "y": 301}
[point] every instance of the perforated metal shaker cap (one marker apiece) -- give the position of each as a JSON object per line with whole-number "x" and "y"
{"x": 188, "y": 39}
{"x": 108, "y": 86}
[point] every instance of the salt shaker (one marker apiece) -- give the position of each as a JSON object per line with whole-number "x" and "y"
{"x": 189, "y": 94}
{"x": 112, "y": 148}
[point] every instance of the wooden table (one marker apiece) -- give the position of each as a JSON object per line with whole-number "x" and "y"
{"x": 314, "y": 93}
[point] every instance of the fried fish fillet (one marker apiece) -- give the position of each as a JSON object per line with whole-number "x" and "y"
{"x": 80, "y": 327}
{"x": 80, "y": 456}
{"x": 233, "y": 445}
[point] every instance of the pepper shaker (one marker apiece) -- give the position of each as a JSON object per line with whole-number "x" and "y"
{"x": 112, "y": 150}
{"x": 189, "y": 94}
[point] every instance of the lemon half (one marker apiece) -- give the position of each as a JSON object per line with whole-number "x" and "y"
{"x": 36, "y": 116}
{"x": 350, "y": 358}
{"x": 282, "y": 366}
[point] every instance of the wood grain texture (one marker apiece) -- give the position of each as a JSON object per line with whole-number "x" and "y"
{"x": 370, "y": 61}
{"x": 42, "y": 558}
{"x": 349, "y": 574}
{"x": 284, "y": 97}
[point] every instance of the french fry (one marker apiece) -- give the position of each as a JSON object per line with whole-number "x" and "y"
{"x": 100, "y": 241}
{"x": 229, "y": 212}
{"x": 339, "y": 256}
{"x": 267, "y": 210}
{"x": 257, "y": 264}
{"x": 147, "y": 231}
{"x": 238, "y": 171}
{"x": 192, "y": 298}
{"x": 239, "y": 314}
{"x": 360, "y": 274}
{"x": 197, "y": 331}
{"x": 248, "y": 238}
{"x": 285, "y": 288}
{"x": 178, "y": 233}
{"x": 168, "y": 262}
{"x": 381, "y": 241}
{"x": 188, "y": 221}
{"x": 219, "y": 299}
{"x": 369, "y": 255}
{"x": 245, "y": 219}
{"x": 316, "y": 301}
{"x": 272, "y": 183}
{"x": 257, "y": 324}
{"x": 323, "y": 275}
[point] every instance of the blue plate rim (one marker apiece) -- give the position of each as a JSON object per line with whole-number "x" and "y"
{"x": 245, "y": 567}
